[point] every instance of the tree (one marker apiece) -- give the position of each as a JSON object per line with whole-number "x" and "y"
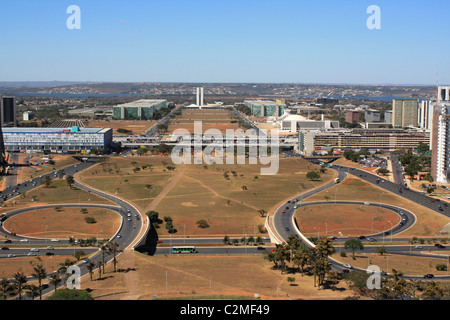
{"x": 70, "y": 180}
{"x": 90, "y": 266}
{"x": 46, "y": 181}
{"x": 40, "y": 273}
{"x": 226, "y": 240}
{"x": 262, "y": 212}
{"x": 113, "y": 248}
{"x": 55, "y": 280}
{"x": 19, "y": 282}
{"x": 353, "y": 244}
{"x": 381, "y": 250}
{"x": 70, "y": 294}
{"x": 33, "y": 291}
{"x": 291, "y": 281}
{"x": 313, "y": 175}
{"x": 5, "y": 286}
{"x": 202, "y": 224}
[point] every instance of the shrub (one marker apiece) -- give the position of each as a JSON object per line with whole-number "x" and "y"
{"x": 90, "y": 220}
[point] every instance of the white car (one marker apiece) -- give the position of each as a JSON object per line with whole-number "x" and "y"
{"x": 24, "y": 240}
{"x": 34, "y": 250}
{"x": 55, "y": 240}
{"x": 349, "y": 266}
{"x": 50, "y": 248}
{"x": 32, "y": 253}
{"x": 418, "y": 247}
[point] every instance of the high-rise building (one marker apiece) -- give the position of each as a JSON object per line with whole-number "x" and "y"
{"x": 8, "y": 112}
{"x": 405, "y": 112}
{"x": 440, "y": 136}
{"x": 444, "y": 93}
{"x": 425, "y": 115}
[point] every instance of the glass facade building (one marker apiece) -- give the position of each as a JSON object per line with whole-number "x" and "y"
{"x": 138, "y": 110}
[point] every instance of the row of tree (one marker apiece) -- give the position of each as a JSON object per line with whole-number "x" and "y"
{"x": 18, "y": 285}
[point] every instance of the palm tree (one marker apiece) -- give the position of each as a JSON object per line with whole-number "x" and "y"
{"x": 5, "y": 285}
{"x": 99, "y": 266}
{"x": 32, "y": 291}
{"x": 113, "y": 248}
{"x": 91, "y": 267}
{"x": 19, "y": 282}
{"x": 55, "y": 279}
{"x": 39, "y": 273}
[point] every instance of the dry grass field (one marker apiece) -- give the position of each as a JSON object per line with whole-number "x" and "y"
{"x": 344, "y": 220}
{"x": 57, "y": 193}
{"x": 428, "y": 222}
{"x": 408, "y": 265}
{"x": 26, "y": 264}
{"x": 137, "y": 127}
{"x": 228, "y": 197}
{"x": 203, "y": 277}
{"x": 65, "y": 222}
{"x": 211, "y": 119}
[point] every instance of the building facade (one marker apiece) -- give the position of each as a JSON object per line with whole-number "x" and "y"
{"x": 440, "y": 136}
{"x": 265, "y": 108}
{"x": 59, "y": 140}
{"x": 138, "y": 110}
{"x": 8, "y": 112}
{"x": 405, "y": 113}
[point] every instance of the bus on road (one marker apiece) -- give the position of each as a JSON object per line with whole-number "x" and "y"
{"x": 184, "y": 249}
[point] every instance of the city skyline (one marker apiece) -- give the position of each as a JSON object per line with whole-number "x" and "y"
{"x": 226, "y": 42}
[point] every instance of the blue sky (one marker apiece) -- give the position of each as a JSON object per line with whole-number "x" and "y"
{"x": 301, "y": 41}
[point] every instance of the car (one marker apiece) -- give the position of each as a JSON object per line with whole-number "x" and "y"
{"x": 24, "y": 240}
{"x": 7, "y": 241}
{"x": 49, "y": 254}
{"x": 439, "y": 246}
{"x": 5, "y": 248}
{"x": 418, "y": 247}
{"x": 348, "y": 266}
{"x": 54, "y": 240}
{"x": 159, "y": 241}
{"x": 119, "y": 236}
{"x": 333, "y": 238}
{"x": 429, "y": 276}
{"x": 282, "y": 211}
{"x": 260, "y": 248}
{"x": 50, "y": 248}
{"x": 34, "y": 250}
{"x": 11, "y": 255}
{"x": 345, "y": 271}
{"x": 86, "y": 260}
{"x": 129, "y": 219}
{"x": 361, "y": 237}
{"x": 287, "y": 229}
{"x": 32, "y": 254}
{"x": 372, "y": 240}
{"x": 129, "y": 215}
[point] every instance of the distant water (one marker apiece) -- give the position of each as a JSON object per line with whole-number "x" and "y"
{"x": 81, "y": 95}
{"x": 385, "y": 98}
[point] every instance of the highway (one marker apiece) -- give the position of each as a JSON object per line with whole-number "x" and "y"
{"x": 284, "y": 223}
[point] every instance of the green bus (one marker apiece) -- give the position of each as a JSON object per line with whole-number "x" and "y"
{"x": 183, "y": 249}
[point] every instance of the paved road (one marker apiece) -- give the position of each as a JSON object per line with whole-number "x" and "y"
{"x": 284, "y": 223}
